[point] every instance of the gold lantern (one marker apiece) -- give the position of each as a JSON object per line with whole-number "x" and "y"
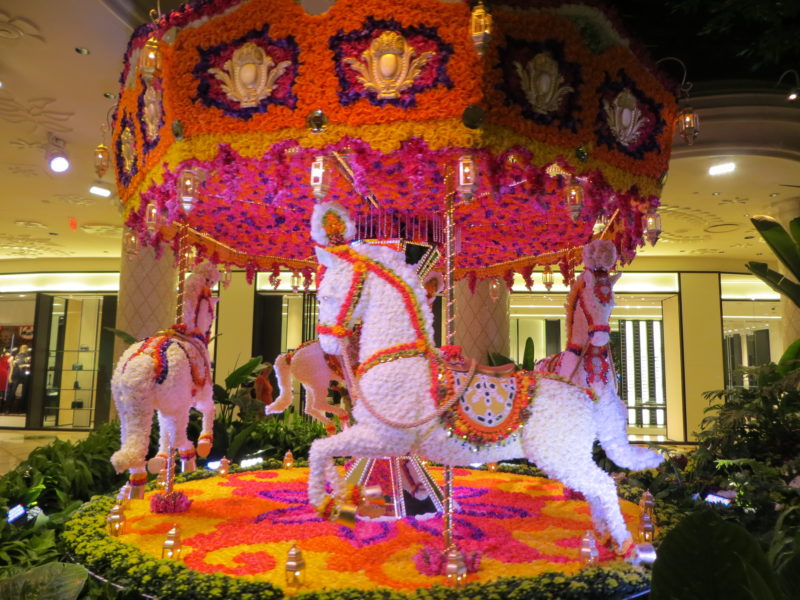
{"x": 171, "y": 548}
{"x": 189, "y": 182}
{"x": 647, "y": 528}
{"x": 225, "y": 277}
{"x": 492, "y": 467}
{"x": 455, "y": 568}
{"x": 574, "y": 196}
{"x": 480, "y": 27}
{"x": 494, "y": 289}
{"x": 150, "y": 59}
{"x": 288, "y": 460}
{"x": 224, "y": 466}
{"x": 295, "y": 567}
{"x": 589, "y": 552}
{"x": 124, "y": 495}
{"x": 320, "y": 177}
{"x": 295, "y": 282}
{"x": 115, "y": 522}
{"x": 688, "y": 124}
{"x": 102, "y": 159}
{"x": 651, "y": 223}
{"x": 547, "y": 278}
{"x": 130, "y": 244}
{"x": 151, "y": 217}
{"x": 466, "y": 177}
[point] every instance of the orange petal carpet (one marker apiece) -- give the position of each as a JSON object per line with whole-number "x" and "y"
{"x": 244, "y": 524}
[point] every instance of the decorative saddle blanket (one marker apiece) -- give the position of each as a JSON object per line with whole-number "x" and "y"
{"x": 492, "y": 408}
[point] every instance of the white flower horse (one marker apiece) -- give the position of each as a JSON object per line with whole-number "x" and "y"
{"x": 169, "y": 372}
{"x": 587, "y": 361}
{"x": 409, "y": 401}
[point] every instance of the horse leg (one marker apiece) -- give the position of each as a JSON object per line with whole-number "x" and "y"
{"x": 612, "y": 429}
{"x": 562, "y": 448}
{"x": 135, "y": 435}
{"x": 357, "y": 441}
{"x": 314, "y": 407}
{"x": 206, "y": 406}
{"x": 180, "y": 421}
{"x": 283, "y": 373}
{"x": 156, "y": 464}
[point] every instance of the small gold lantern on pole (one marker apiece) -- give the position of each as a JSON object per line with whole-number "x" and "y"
{"x": 295, "y": 567}
{"x": 589, "y": 552}
{"x": 171, "y": 548}
{"x": 467, "y": 177}
{"x": 288, "y": 460}
{"x": 480, "y": 27}
{"x": 115, "y": 522}
{"x": 224, "y": 466}
{"x": 150, "y": 59}
{"x": 547, "y": 278}
{"x": 455, "y": 568}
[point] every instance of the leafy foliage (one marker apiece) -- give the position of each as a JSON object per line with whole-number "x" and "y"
{"x": 52, "y": 581}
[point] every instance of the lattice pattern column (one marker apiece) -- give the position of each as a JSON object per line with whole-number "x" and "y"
{"x": 482, "y": 324}
{"x": 147, "y": 295}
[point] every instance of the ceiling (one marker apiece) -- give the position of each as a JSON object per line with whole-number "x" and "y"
{"x": 48, "y": 86}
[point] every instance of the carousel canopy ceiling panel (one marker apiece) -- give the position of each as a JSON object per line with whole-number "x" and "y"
{"x": 235, "y": 117}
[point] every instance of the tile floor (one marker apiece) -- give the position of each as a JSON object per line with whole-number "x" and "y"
{"x": 15, "y": 445}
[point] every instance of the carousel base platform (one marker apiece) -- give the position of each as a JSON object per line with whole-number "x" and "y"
{"x": 242, "y": 525}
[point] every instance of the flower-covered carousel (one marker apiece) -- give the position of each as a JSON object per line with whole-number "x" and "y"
{"x": 368, "y": 147}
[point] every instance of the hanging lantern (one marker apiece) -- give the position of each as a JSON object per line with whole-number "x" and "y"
{"x": 171, "y": 548}
{"x": 320, "y": 177}
{"x": 494, "y": 289}
{"x": 288, "y": 460}
{"x": 600, "y": 225}
{"x": 102, "y": 159}
{"x": 466, "y": 177}
{"x": 189, "y": 182}
{"x": 225, "y": 277}
{"x": 224, "y": 466}
{"x": 574, "y": 197}
{"x": 589, "y": 552}
{"x": 480, "y": 27}
{"x": 130, "y": 244}
{"x": 151, "y": 217}
{"x": 150, "y": 59}
{"x": 647, "y": 528}
{"x": 295, "y": 567}
{"x": 688, "y": 124}
{"x": 547, "y": 278}
{"x": 115, "y": 522}
{"x": 455, "y": 568}
{"x": 295, "y": 282}
{"x": 651, "y": 225}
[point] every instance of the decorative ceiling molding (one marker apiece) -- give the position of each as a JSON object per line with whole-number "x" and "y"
{"x": 30, "y": 224}
{"x": 22, "y": 144}
{"x": 16, "y": 28}
{"x": 35, "y": 113}
{"x": 102, "y": 229}
{"x": 70, "y": 199}
{"x": 24, "y": 170}
{"x": 27, "y": 246}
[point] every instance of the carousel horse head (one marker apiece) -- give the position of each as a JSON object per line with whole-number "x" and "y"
{"x": 199, "y": 303}
{"x": 596, "y": 289}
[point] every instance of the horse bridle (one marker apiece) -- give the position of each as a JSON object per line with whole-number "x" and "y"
{"x": 344, "y": 325}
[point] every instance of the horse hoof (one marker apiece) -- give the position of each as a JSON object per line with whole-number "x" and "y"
{"x": 203, "y": 448}
{"x": 155, "y": 464}
{"x": 626, "y": 549}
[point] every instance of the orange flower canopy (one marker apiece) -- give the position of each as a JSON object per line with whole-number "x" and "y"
{"x": 236, "y": 117}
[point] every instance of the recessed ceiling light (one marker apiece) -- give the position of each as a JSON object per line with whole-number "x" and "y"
{"x": 82, "y": 51}
{"x": 715, "y": 193}
{"x": 110, "y": 96}
{"x": 101, "y": 188}
{"x": 1, "y": 85}
{"x": 773, "y": 194}
{"x": 722, "y": 168}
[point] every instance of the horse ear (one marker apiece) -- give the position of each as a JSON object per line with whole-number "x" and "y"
{"x": 614, "y": 277}
{"x": 325, "y": 258}
{"x": 433, "y": 285}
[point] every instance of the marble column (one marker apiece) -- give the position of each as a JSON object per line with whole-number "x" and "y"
{"x": 147, "y": 295}
{"x": 482, "y": 319}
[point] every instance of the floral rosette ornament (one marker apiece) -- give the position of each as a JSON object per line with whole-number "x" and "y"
{"x": 388, "y": 106}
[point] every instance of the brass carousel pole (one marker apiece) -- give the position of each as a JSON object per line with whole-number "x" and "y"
{"x": 183, "y": 260}
{"x": 450, "y": 338}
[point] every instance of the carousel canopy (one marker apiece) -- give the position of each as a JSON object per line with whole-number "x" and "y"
{"x": 235, "y": 117}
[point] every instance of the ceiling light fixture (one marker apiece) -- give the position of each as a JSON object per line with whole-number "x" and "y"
{"x": 794, "y": 92}
{"x": 56, "y": 154}
{"x": 722, "y": 168}
{"x": 82, "y": 51}
{"x": 101, "y": 188}
{"x": 688, "y": 120}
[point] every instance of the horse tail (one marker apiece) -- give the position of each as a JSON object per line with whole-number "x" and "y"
{"x": 283, "y": 373}
{"x": 612, "y": 425}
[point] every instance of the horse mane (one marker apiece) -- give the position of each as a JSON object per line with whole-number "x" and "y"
{"x": 572, "y": 303}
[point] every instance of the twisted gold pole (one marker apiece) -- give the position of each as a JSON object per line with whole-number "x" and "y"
{"x": 450, "y": 338}
{"x": 183, "y": 266}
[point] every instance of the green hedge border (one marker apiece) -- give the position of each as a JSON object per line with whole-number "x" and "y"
{"x": 87, "y": 541}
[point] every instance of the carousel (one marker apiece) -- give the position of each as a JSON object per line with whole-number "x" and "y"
{"x": 385, "y": 152}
